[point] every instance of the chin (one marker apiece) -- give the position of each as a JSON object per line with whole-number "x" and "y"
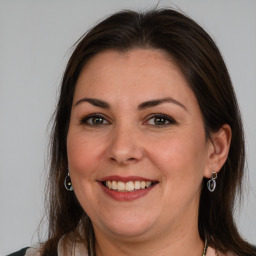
{"x": 128, "y": 228}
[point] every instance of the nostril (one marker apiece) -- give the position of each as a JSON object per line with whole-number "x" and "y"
{"x": 112, "y": 159}
{"x": 131, "y": 159}
{"x": 128, "y": 160}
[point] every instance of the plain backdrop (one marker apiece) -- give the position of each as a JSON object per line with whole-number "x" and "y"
{"x": 35, "y": 43}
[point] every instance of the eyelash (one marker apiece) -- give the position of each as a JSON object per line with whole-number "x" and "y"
{"x": 85, "y": 120}
{"x": 88, "y": 120}
{"x": 162, "y": 117}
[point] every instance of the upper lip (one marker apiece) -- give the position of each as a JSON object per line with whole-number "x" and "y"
{"x": 125, "y": 179}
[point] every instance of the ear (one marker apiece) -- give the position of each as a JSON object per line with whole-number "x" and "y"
{"x": 218, "y": 149}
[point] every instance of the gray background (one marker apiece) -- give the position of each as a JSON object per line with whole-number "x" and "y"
{"x": 35, "y": 43}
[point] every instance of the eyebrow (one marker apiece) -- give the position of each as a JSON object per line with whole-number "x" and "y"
{"x": 153, "y": 103}
{"x": 143, "y": 105}
{"x": 94, "y": 102}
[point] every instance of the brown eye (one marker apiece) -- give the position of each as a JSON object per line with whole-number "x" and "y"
{"x": 160, "y": 120}
{"x": 94, "y": 120}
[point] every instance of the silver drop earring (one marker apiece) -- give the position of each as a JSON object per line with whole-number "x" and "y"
{"x": 211, "y": 184}
{"x": 68, "y": 183}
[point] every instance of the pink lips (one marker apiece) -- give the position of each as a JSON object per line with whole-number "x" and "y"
{"x": 125, "y": 196}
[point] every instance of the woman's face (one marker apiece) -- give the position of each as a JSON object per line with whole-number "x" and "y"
{"x": 137, "y": 149}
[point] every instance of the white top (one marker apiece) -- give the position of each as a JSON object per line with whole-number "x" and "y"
{"x": 67, "y": 247}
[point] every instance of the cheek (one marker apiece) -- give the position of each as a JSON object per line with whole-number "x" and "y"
{"x": 82, "y": 155}
{"x": 180, "y": 157}
{"x": 181, "y": 163}
{"x": 82, "y": 161}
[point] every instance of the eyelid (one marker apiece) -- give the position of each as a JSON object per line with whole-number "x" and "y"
{"x": 169, "y": 119}
{"x": 161, "y": 115}
{"x": 84, "y": 119}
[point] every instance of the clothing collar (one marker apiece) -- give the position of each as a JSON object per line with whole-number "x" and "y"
{"x": 69, "y": 245}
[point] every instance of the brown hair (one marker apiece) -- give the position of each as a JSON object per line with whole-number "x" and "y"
{"x": 201, "y": 63}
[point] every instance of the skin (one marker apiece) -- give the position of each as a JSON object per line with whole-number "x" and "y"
{"x": 130, "y": 142}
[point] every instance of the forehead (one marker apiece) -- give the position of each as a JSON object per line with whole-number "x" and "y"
{"x": 136, "y": 59}
{"x": 137, "y": 73}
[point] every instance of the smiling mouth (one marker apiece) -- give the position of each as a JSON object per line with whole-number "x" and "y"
{"x": 128, "y": 186}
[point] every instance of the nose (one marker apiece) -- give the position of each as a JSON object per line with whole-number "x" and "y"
{"x": 124, "y": 147}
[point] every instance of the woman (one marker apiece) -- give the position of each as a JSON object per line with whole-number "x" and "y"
{"x": 147, "y": 145}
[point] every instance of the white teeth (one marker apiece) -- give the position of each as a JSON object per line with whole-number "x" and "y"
{"x": 148, "y": 184}
{"x": 142, "y": 184}
{"x": 109, "y": 184}
{"x": 114, "y": 185}
{"x": 137, "y": 184}
{"x": 128, "y": 186}
{"x": 120, "y": 186}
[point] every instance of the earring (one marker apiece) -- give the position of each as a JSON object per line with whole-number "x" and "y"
{"x": 211, "y": 184}
{"x": 68, "y": 183}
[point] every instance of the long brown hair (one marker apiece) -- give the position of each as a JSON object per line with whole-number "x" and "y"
{"x": 200, "y": 61}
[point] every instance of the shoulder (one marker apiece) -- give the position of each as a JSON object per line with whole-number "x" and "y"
{"x": 21, "y": 252}
{"x": 26, "y": 252}
{"x": 213, "y": 252}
